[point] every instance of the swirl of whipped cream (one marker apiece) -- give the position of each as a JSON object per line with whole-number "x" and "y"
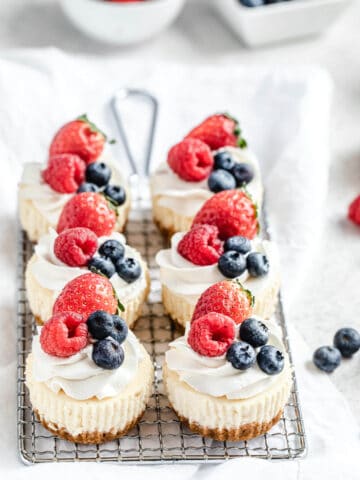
{"x": 46, "y": 200}
{"x": 216, "y": 376}
{"x": 185, "y": 278}
{"x": 52, "y": 274}
{"x": 79, "y": 377}
{"x": 188, "y": 197}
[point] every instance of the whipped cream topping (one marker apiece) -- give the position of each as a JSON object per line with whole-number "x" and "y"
{"x": 79, "y": 377}
{"x": 216, "y": 376}
{"x": 188, "y": 197}
{"x": 189, "y": 280}
{"x": 46, "y": 200}
{"x": 52, "y": 274}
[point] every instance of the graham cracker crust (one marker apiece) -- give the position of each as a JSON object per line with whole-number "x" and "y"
{"x": 244, "y": 432}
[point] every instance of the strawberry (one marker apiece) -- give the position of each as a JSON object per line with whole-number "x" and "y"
{"x": 201, "y": 245}
{"x": 86, "y": 294}
{"x": 212, "y": 334}
{"x": 75, "y": 246}
{"x": 89, "y": 210}
{"x": 64, "y": 334}
{"x": 80, "y": 137}
{"x": 64, "y": 172}
{"x": 219, "y": 131}
{"x": 191, "y": 160}
{"x": 232, "y": 212}
{"x": 227, "y": 297}
{"x": 354, "y": 211}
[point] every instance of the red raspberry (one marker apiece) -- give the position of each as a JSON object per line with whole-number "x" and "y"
{"x": 201, "y": 245}
{"x": 219, "y": 131}
{"x": 75, "y": 246}
{"x": 64, "y": 334}
{"x": 191, "y": 159}
{"x": 232, "y": 211}
{"x": 64, "y": 173}
{"x": 212, "y": 334}
{"x": 86, "y": 294}
{"x": 81, "y": 137}
{"x": 89, "y": 210}
{"x": 354, "y": 210}
{"x": 227, "y": 297}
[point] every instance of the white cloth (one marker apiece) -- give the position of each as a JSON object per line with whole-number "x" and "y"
{"x": 284, "y": 114}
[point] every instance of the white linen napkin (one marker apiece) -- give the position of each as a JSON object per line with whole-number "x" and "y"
{"x": 284, "y": 114}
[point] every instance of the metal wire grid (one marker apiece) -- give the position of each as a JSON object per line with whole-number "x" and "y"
{"x": 159, "y": 437}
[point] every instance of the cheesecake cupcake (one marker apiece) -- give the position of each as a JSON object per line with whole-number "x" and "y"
{"x": 211, "y": 158}
{"x": 227, "y": 381}
{"x": 76, "y": 164}
{"x": 60, "y": 258}
{"x": 222, "y": 244}
{"x": 89, "y": 379}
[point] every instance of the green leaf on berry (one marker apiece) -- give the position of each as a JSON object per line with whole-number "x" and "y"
{"x": 93, "y": 127}
{"x": 247, "y": 292}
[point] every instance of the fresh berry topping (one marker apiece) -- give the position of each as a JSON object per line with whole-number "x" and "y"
{"x": 191, "y": 160}
{"x": 232, "y": 264}
{"x": 327, "y": 358}
{"x": 87, "y": 187}
{"x": 254, "y": 332}
{"x": 223, "y": 160}
{"x": 238, "y": 243}
{"x": 347, "y": 340}
{"x": 89, "y": 210}
{"x": 64, "y": 173}
{"x": 129, "y": 269}
{"x": 101, "y": 325}
{"x": 75, "y": 246}
{"x": 98, "y": 173}
{"x": 227, "y": 297}
{"x": 80, "y": 137}
{"x": 270, "y": 360}
{"x": 108, "y": 354}
{"x": 86, "y": 294}
{"x": 212, "y": 334}
{"x": 65, "y": 334}
{"x": 243, "y": 173}
{"x": 112, "y": 249}
{"x": 218, "y": 131}
{"x": 116, "y": 194}
{"x": 257, "y": 264}
{"x": 220, "y": 180}
{"x": 201, "y": 245}
{"x": 241, "y": 355}
{"x": 232, "y": 211}
{"x": 354, "y": 210}
{"x": 101, "y": 265}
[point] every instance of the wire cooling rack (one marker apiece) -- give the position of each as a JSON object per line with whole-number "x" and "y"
{"x": 159, "y": 437}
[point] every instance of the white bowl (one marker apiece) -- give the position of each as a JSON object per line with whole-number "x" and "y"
{"x": 122, "y": 23}
{"x": 278, "y": 22}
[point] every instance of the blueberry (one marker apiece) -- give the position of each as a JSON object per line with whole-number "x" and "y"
{"x": 101, "y": 265}
{"x": 100, "y": 324}
{"x": 254, "y": 332}
{"x": 224, "y": 161}
{"x": 243, "y": 173}
{"x": 252, "y": 3}
{"x": 232, "y": 264}
{"x": 241, "y": 355}
{"x": 98, "y": 173}
{"x": 238, "y": 243}
{"x": 108, "y": 354}
{"x": 112, "y": 249}
{"x": 119, "y": 330}
{"x": 87, "y": 187}
{"x": 347, "y": 340}
{"x": 128, "y": 269}
{"x": 220, "y": 180}
{"x": 116, "y": 193}
{"x": 270, "y": 360}
{"x": 327, "y": 358}
{"x": 257, "y": 264}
